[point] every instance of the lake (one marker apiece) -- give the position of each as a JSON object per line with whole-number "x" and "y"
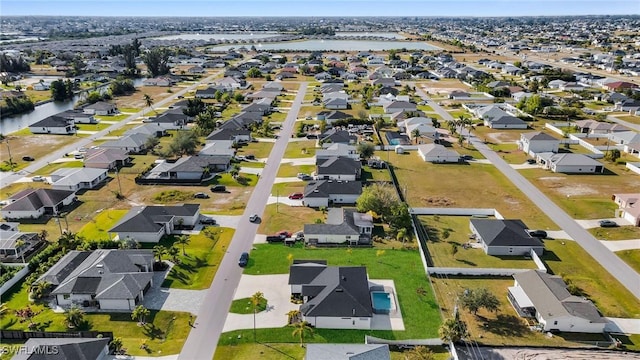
{"x": 380, "y": 34}
{"x": 334, "y": 45}
{"x": 225, "y": 36}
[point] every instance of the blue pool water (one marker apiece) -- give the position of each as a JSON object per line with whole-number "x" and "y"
{"x": 394, "y": 142}
{"x": 381, "y": 300}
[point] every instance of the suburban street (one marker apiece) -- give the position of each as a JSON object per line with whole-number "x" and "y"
{"x": 628, "y": 277}
{"x": 203, "y": 338}
{"x": 9, "y": 178}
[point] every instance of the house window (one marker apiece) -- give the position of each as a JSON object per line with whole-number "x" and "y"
{"x": 555, "y": 322}
{"x": 66, "y": 296}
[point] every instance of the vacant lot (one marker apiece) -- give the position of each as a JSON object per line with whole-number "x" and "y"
{"x": 446, "y": 232}
{"x": 98, "y": 227}
{"x": 616, "y": 233}
{"x": 291, "y": 218}
{"x": 288, "y": 170}
{"x": 463, "y": 185}
{"x": 300, "y": 149}
{"x": 258, "y": 149}
{"x": 36, "y": 146}
{"x": 631, "y": 257}
{"x": 584, "y": 196}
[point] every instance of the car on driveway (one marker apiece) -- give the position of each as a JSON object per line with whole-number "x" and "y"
{"x": 38, "y": 178}
{"x": 207, "y": 220}
{"x": 607, "y": 223}
{"x": 538, "y": 234}
{"x": 218, "y": 188}
{"x": 296, "y": 196}
{"x": 531, "y": 161}
{"x": 244, "y": 259}
{"x": 28, "y": 158}
{"x": 200, "y": 195}
{"x": 254, "y": 218}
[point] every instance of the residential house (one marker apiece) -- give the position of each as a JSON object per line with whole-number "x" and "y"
{"x": 619, "y": 85}
{"x": 78, "y": 117}
{"x": 159, "y": 81}
{"x": 218, "y": 147}
{"x": 109, "y": 159}
{"x": 104, "y": 279}
{"x": 337, "y": 149}
{"x": 131, "y": 144}
{"x": 545, "y": 297}
{"x": 64, "y": 348}
{"x": 598, "y": 127}
{"x": 74, "y": 179}
{"x": 334, "y": 297}
{"x": 33, "y": 203}
{"x": 15, "y": 243}
{"x": 459, "y": 94}
{"x": 338, "y": 168}
{"x": 628, "y": 207}
{"x": 100, "y": 108}
{"x": 505, "y": 237}
{"x": 336, "y": 136}
{"x": 384, "y": 81}
{"x": 158, "y": 130}
{"x": 538, "y": 142}
{"x": 347, "y": 352}
{"x": 331, "y": 116}
{"x": 343, "y": 226}
{"x": 53, "y": 124}
{"x": 399, "y": 106}
{"x": 630, "y": 141}
{"x": 570, "y": 163}
{"x": 234, "y": 135}
{"x": 151, "y": 223}
{"x": 261, "y": 106}
{"x": 437, "y": 153}
{"x": 326, "y": 193}
{"x": 189, "y": 169}
{"x": 338, "y": 100}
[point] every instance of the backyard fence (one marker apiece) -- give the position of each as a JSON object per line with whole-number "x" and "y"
{"x": 14, "y": 280}
{"x": 24, "y": 335}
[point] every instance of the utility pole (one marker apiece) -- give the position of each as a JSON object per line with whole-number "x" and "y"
{"x": 119, "y": 185}
{"x": 9, "y": 151}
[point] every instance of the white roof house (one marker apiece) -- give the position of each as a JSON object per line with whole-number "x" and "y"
{"x": 74, "y": 179}
{"x": 437, "y": 153}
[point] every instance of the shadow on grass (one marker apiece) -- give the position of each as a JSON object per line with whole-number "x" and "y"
{"x": 467, "y": 262}
{"x": 153, "y": 332}
{"x": 504, "y": 325}
{"x": 550, "y": 256}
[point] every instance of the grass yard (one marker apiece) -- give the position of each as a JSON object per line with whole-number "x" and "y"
{"x": 286, "y": 188}
{"x": 266, "y": 351}
{"x": 370, "y": 174}
{"x": 198, "y": 267}
{"x": 244, "y": 306}
{"x": 420, "y": 313}
{"x": 286, "y": 217}
{"x": 48, "y": 169}
{"x": 278, "y": 116}
{"x": 631, "y": 257}
{"x": 165, "y": 331}
{"x": 97, "y": 227}
{"x": 568, "y": 259}
{"x": 227, "y": 180}
{"x": 93, "y": 127}
{"x": 445, "y": 231}
{"x": 309, "y": 110}
{"x": 630, "y": 118}
{"x": 119, "y": 117}
{"x": 616, "y": 233}
{"x": 463, "y": 185}
{"x": 257, "y": 149}
{"x": 300, "y": 149}
{"x": 584, "y": 196}
{"x": 288, "y": 170}
{"x": 23, "y": 143}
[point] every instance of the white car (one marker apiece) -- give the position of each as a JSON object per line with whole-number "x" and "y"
{"x": 38, "y": 178}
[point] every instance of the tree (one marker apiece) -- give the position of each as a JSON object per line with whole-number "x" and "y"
{"x": 184, "y": 143}
{"x": 140, "y": 313}
{"x": 68, "y": 239}
{"x": 399, "y": 216}
{"x": 58, "y": 90}
{"x": 205, "y": 122}
{"x": 26, "y": 314}
{"x": 378, "y": 197}
{"x": 157, "y": 61}
{"x": 366, "y": 149}
{"x": 256, "y": 300}
{"x": 158, "y": 251}
{"x": 254, "y": 73}
{"x": 464, "y": 122}
{"x": 453, "y": 329}
{"x": 194, "y": 107}
{"x": 18, "y": 245}
{"x": 301, "y": 329}
{"x": 454, "y": 249}
{"x": 475, "y": 299}
{"x": 612, "y": 155}
{"x": 116, "y": 345}
{"x": 183, "y": 240}
{"x": 419, "y": 353}
{"x": 74, "y": 317}
{"x": 39, "y": 289}
{"x": 292, "y": 316}
{"x": 148, "y": 101}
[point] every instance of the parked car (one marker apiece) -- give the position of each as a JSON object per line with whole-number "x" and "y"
{"x": 300, "y": 236}
{"x": 28, "y": 158}
{"x": 250, "y": 157}
{"x": 538, "y": 234}
{"x": 78, "y": 156}
{"x": 301, "y": 175}
{"x": 312, "y": 136}
{"x": 284, "y": 233}
{"x": 254, "y": 218}
{"x": 200, "y": 195}
{"x": 207, "y": 220}
{"x": 607, "y": 223}
{"x": 306, "y": 177}
{"x": 244, "y": 259}
{"x": 218, "y": 188}
{"x": 296, "y": 196}
{"x": 38, "y": 178}
{"x": 275, "y": 238}
{"x": 531, "y": 161}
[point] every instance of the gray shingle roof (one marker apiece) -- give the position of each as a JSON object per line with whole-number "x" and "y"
{"x": 496, "y": 232}
{"x": 347, "y": 352}
{"x": 34, "y": 199}
{"x": 338, "y": 165}
{"x": 66, "y": 349}
{"x": 325, "y": 188}
{"x": 147, "y": 218}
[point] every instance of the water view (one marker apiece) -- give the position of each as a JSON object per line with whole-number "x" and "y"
{"x": 379, "y": 34}
{"x": 335, "y": 45}
{"x": 224, "y": 36}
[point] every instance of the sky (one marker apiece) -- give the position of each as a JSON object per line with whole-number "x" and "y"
{"x": 318, "y": 8}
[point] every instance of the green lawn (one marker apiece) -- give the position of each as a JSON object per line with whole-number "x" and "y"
{"x": 420, "y": 313}
{"x": 252, "y": 164}
{"x": 244, "y": 306}
{"x": 568, "y": 259}
{"x": 288, "y": 170}
{"x": 96, "y": 228}
{"x": 257, "y": 149}
{"x": 463, "y": 185}
{"x": 444, "y": 231}
{"x": 300, "y": 149}
{"x": 284, "y": 217}
{"x": 284, "y": 189}
{"x": 129, "y": 110}
{"x": 165, "y": 331}
{"x": 616, "y": 233}
{"x": 370, "y": 174}
{"x": 93, "y": 127}
{"x": 278, "y": 116}
{"x": 631, "y": 257}
{"x": 265, "y": 351}
{"x": 227, "y": 180}
{"x": 112, "y": 117}
{"x": 198, "y": 267}
{"x": 48, "y": 169}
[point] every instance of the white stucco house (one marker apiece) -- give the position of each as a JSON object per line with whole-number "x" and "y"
{"x": 151, "y": 223}
{"x": 628, "y": 207}
{"x": 570, "y": 163}
{"x": 538, "y": 142}
{"x": 542, "y": 296}
{"x": 319, "y": 193}
{"x": 437, "y": 153}
{"x": 74, "y": 179}
{"x": 102, "y": 279}
{"x": 343, "y": 226}
{"x": 55, "y": 125}
{"x": 34, "y": 203}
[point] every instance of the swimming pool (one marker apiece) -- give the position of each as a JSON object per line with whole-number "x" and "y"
{"x": 394, "y": 141}
{"x": 381, "y": 301}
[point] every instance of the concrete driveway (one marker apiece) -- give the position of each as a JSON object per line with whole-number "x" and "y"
{"x": 230, "y": 221}
{"x": 159, "y": 298}
{"x": 590, "y": 224}
{"x": 619, "y": 245}
{"x": 284, "y": 200}
{"x": 275, "y": 290}
{"x": 286, "y": 180}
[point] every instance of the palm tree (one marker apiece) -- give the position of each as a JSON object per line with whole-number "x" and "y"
{"x": 419, "y": 353}
{"x": 43, "y": 235}
{"x": 18, "y": 245}
{"x": 301, "y": 329}
{"x": 3, "y": 309}
{"x": 140, "y": 313}
{"x": 67, "y": 239}
{"x": 256, "y": 300}
{"x": 415, "y": 134}
{"x": 183, "y": 240}
{"x": 173, "y": 252}
{"x": 464, "y": 122}
{"x": 453, "y": 329}
{"x": 148, "y": 101}
{"x": 74, "y": 317}
{"x": 116, "y": 345}
{"x": 292, "y": 316}
{"x": 158, "y": 251}
{"x": 39, "y": 290}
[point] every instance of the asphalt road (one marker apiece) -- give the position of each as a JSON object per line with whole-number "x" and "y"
{"x": 628, "y": 277}
{"x": 9, "y": 178}
{"x": 203, "y": 338}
